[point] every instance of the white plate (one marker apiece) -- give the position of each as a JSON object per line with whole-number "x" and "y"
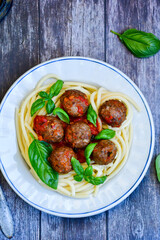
{"x": 113, "y": 192}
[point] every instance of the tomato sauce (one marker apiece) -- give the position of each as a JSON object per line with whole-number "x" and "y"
{"x": 59, "y": 144}
{"x": 82, "y": 99}
{"x": 94, "y": 130}
{"x": 41, "y": 121}
{"x": 39, "y": 124}
{"x": 80, "y": 155}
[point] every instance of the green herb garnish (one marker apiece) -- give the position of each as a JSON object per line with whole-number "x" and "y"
{"x": 61, "y": 114}
{"x": 141, "y": 44}
{"x": 78, "y": 178}
{"x": 37, "y": 105}
{"x": 88, "y": 171}
{"x": 105, "y": 134}
{"x": 95, "y": 180}
{"x": 38, "y": 153}
{"x": 77, "y": 166}
{"x": 91, "y": 115}
{"x": 158, "y": 167}
{"x": 88, "y": 151}
{"x": 47, "y": 98}
{"x": 87, "y": 174}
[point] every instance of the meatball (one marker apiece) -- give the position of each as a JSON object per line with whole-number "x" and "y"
{"x": 113, "y": 112}
{"x": 60, "y": 159}
{"x": 78, "y": 135}
{"x": 74, "y": 102}
{"x": 104, "y": 152}
{"x": 49, "y": 127}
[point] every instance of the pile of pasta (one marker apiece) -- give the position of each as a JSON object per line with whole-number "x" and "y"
{"x": 96, "y": 96}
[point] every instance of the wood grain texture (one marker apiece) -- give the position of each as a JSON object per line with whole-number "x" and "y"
{"x": 138, "y": 214}
{"x": 72, "y": 28}
{"x": 18, "y": 52}
{"x": 36, "y": 31}
{"x": 76, "y": 229}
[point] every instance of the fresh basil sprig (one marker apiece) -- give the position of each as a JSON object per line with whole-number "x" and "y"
{"x": 78, "y": 178}
{"x": 158, "y": 167}
{"x": 88, "y": 171}
{"x": 87, "y": 174}
{"x": 95, "y": 180}
{"x": 45, "y": 97}
{"x": 61, "y": 114}
{"x": 38, "y": 153}
{"x": 105, "y": 134}
{"x": 88, "y": 151}
{"x": 141, "y": 44}
{"x": 91, "y": 115}
{"x": 77, "y": 166}
{"x": 56, "y": 88}
{"x": 50, "y": 106}
{"x": 37, "y": 105}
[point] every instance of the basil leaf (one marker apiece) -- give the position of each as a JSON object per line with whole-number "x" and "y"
{"x": 141, "y": 44}
{"x": 61, "y": 114}
{"x": 48, "y": 146}
{"x": 56, "y": 88}
{"x": 77, "y": 166}
{"x": 50, "y": 106}
{"x": 44, "y": 95}
{"x": 88, "y": 151}
{"x": 105, "y": 134}
{"x": 38, "y": 153}
{"x": 91, "y": 115}
{"x": 37, "y": 105}
{"x": 158, "y": 167}
{"x": 78, "y": 178}
{"x": 88, "y": 171}
{"x": 95, "y": 180}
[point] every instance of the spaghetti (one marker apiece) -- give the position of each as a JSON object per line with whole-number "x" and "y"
{"x": 96, "y": 96}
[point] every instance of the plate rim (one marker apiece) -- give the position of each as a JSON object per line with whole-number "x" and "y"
{"x": 147, "y": 163}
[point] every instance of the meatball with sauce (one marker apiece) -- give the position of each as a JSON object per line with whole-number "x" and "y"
{"x": 74, "y": 102}
{"x": 78, "y": 135}
{"x": 60, "y": 159}
{"x": 113, "y": 112}
{"x": 104, "y": 152}
{"x": 49, "y": 127}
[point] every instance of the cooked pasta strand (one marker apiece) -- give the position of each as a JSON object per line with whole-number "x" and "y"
{"x": 123, "y": 139}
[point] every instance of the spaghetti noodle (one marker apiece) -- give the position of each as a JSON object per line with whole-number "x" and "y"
{"x": 96, "y": 96}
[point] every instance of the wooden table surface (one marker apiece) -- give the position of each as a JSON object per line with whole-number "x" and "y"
{"x": 39, "y": 30}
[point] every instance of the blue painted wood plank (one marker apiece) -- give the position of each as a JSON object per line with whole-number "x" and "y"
{"x": 138, "y": 216}
{"x": 19, "y": 52}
